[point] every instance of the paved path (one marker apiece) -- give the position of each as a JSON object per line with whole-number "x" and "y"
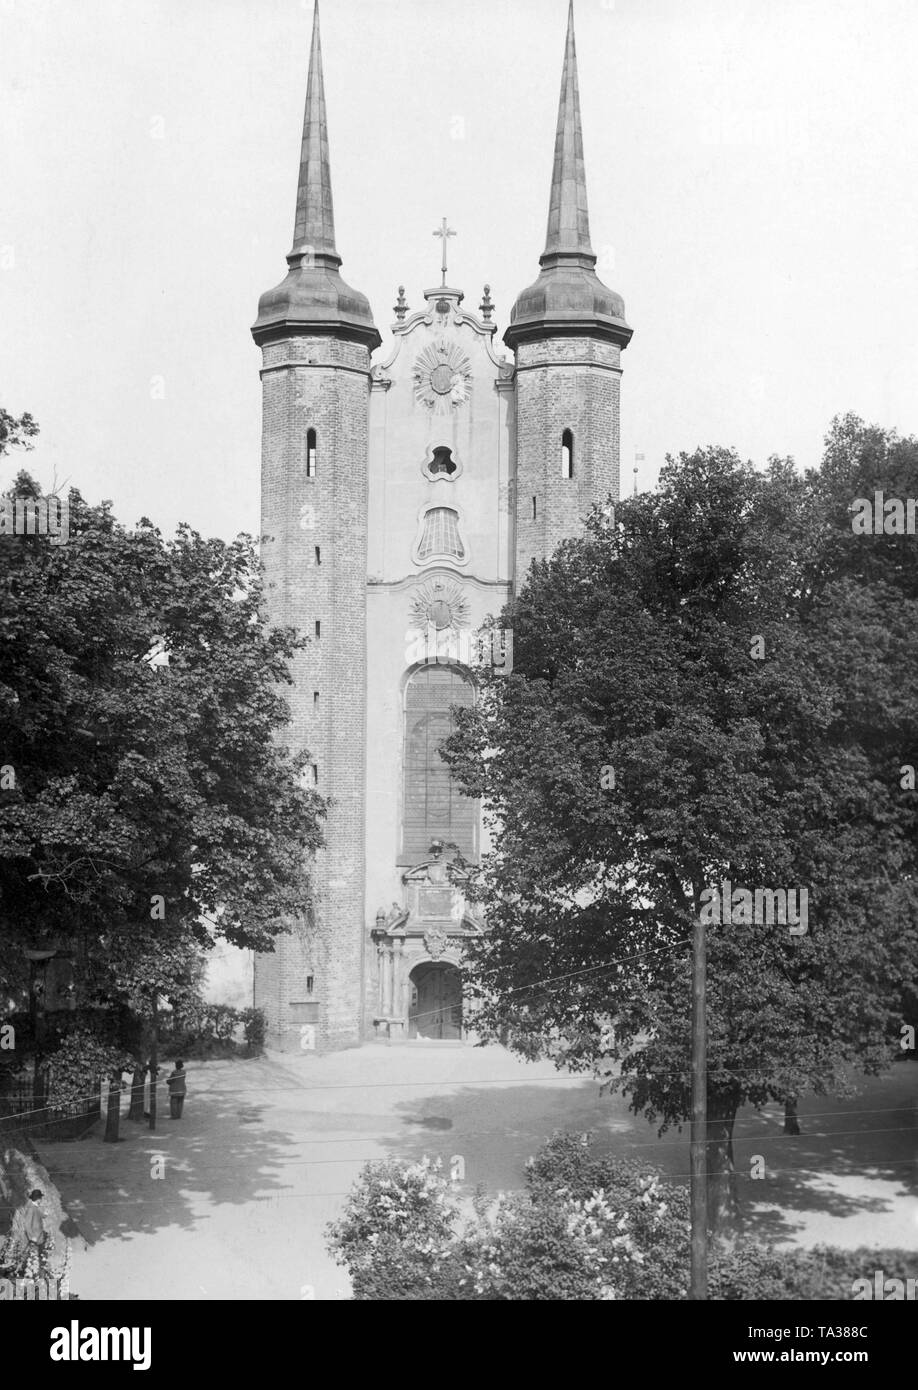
{"x": 267, "y": 1149}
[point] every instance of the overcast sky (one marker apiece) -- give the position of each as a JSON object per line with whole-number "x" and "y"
{"x": 753, "y": 180}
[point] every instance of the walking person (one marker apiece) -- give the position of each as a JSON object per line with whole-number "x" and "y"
{"x": 177, "y": 1087}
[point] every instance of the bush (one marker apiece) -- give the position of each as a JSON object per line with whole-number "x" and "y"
{"x": 825, "y": 1272}
{"x": 202, "y": 1030}
{"x": 78, "y": 1065}
{"x": 404, "y": 1234}
{"x": 586, "y": 1229}
{"x": 397, "y": 1234}
{"x": 254, "y": 1027}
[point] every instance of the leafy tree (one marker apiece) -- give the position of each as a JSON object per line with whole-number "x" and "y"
{"x": 647, "y": 747}
{"x": 150, "y": 802}
{"x": 16, "y": 433}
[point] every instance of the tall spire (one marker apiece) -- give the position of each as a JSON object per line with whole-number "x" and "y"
{"x": 568, "y": 297}
{"x": 314, "y": 226}
{"x": 313, "y": 298}
{"x": 568, "y": 217}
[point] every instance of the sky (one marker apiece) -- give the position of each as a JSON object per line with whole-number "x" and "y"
{"x": 752, "y": 168}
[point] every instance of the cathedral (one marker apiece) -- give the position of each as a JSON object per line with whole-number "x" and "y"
{"x": 405, "y": 493}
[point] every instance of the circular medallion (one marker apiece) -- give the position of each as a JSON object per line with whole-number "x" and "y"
{"x": 441, "y": 379}
{"x": 440, "y": 614}
{"x": 441, "y": 603}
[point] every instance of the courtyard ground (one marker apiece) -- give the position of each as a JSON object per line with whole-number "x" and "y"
{"x": 266, "y": 1151}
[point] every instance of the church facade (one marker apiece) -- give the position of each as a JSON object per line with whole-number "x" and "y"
{"x": 405, "y": 493}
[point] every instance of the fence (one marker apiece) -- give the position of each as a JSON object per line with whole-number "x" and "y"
{"x": 24, "y": 1112}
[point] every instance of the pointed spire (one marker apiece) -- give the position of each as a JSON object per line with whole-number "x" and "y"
{"x": 314, "y": 227}
{"x": 568, "y": 216}
{"x": 568, "y": 297}
{"x": 313, "y": 298}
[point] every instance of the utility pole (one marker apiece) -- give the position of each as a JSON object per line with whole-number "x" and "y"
{"x": 154, "y": 1060}
{"x": 698, "y": 1288}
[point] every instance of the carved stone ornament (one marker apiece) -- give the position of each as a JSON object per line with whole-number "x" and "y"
{"x": 440, "y": 603}
{"x": 435, "y": 942}
{"x": 442, "y": 377}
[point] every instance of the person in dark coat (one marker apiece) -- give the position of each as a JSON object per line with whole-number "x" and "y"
{"x": 177, "y": 1088}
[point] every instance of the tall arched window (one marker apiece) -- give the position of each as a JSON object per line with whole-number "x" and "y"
{"x": 440, "y": 535}
{"x": 433, "y": 808}
{"x": 567, "y": 454}
{"x": 310, "y": 453}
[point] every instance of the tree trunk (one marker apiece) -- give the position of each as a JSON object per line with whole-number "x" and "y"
{"x": 135, "y": 1112}
{"x": 113, "y": 1111}
{"x": 723, "y": 1199}
{"x": 791, "y": 1125}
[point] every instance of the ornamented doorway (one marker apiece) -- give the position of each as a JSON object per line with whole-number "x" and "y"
{"x": 436, "y": 1001}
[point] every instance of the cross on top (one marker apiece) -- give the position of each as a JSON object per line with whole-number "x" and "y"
{"x": 445, "y": 233}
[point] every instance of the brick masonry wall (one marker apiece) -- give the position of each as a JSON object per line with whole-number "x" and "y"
{"x": 563, "y": 383}
{"x": 321, "y": 383}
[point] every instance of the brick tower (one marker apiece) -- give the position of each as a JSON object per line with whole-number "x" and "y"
{"x": 402, "y": 502}
{"x": 567, "y": 331}
{"x": 316, "y": 335}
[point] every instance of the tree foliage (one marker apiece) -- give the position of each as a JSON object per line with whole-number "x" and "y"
{"x": 153, "y": 803}
{"x": 635, "y": 652}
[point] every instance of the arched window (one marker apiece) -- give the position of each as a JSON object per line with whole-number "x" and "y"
{"x": 310, "y": 453}
{"x": 440, "y": 535}
{"x": 433, "y": 808}
{"x": 567, "y": 454}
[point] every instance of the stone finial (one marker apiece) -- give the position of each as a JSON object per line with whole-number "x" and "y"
{"x": 487, "y": 305}
{"x": 400, "y": 308}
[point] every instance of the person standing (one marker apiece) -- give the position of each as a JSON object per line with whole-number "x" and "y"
{"x": 177, "y": 1088}
{"x": 35, "y": 1233}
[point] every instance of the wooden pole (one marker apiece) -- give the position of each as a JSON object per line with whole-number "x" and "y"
{"x": 698, "y": 1288}
{"x": 153, "y": 1062}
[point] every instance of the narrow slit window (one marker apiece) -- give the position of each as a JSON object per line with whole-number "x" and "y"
{"x": 310, "y": 983}
{"x": 318, "y": 556}
{"x": 315, "y": 697}
{"x": 534, "y": 509}
{"x": 310, "y": 453}
{"x": 567, "y": 454}
{"x": 315, "y": 774}
{"x": 318, "y": 628}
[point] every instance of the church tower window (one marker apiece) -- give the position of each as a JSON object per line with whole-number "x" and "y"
{"x": 567, "y": 454}
{"x": 433, "y": 807}
{"x": 310, "y": 453}
{"x": 443, "y": 463}
{"x": 440, "y": 535}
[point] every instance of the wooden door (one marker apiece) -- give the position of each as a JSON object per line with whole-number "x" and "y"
{"x": 439, "y": 1001}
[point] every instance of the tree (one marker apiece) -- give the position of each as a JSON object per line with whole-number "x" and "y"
{"x": 747, "y": 670}
{"x": 16, "y": 433}
{"x": 150, "y": 802}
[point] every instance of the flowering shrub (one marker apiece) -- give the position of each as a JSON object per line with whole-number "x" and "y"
{"x": 397, "y": 1236}
{"x": 406, "y": 1235}
{"x": 585, "y": 1229}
